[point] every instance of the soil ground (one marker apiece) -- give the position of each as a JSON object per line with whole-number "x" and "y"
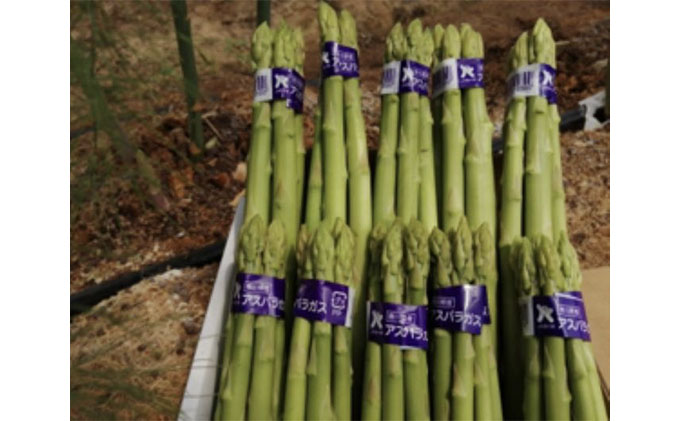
{"x": 142, "y": 340}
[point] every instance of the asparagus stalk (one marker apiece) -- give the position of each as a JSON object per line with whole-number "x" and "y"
{"x": 487, "y": 390}
{"x": 409, "y": 103}
{"x": 453, "y": 142}
{"x": 370, "y": 404}
{"x": 249, "y": 259}
{"x": 342, "y": 361}
{"x": 462, "y": 387}
{"x": 259, "y": 155}
{"x": 522, "y": 259}
{"x": 299, "y": 42}
{"x": 333, "y": 135}
{"x": 319, "y": 407}
{"x": 442, "y": 356}
{"x": 261, "y": 391}
{"x": 584, "y": 397}
{"x": 480, "y": 193}
{"x": 284, "y": 180}
{"x": 437, "y": 36}
{"x": 315, "y": 178}
{"x": 296, "y": 378}
{"x": 510, "y": 231}
{"x": 386, "y": 166}
{"x": 259, "y": 161}
{"x": 417, "y": 267}
{"x": 360, "y": 196}
{"x": 393, "y": 292}
{"x": 554, "y": 374}
{"x": 537, "y": 171}
{"x": 427, "y": 202}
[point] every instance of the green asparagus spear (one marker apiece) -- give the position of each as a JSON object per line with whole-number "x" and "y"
{"x": 257, "y": 184}
{"x": 537, "y": 172}
{"x": 299, "y": 43}
{"x": 408, "y": 174}
{"x": 554, "y": 373}
{"x": 510, "y": 231}
{"x": 437, "y": 36}
{"x": 386, "y": 165}
{"x": 249, "y": 260}
{"x": 453, "y": 142}
{"x": 370, "y": 405}
{"x": 583, "y": 403}
{"x": 261, "y": 391}
{"x": 417, "y": 268}
{"x": 333, "y": 135}
{"x": 442, "y": 356}
{"x": 313, "y": 208}
{"x": 393, "y": 292}
{"x": 296, "y": 378}
{"x": 463, "y": 385}
{"x": 319, "y": 407}
{"x": 359, "y": 197}
{"x": 284, "y": 207}
{"x": 487, "y": 390}
{"x": 524, "y": 268}
{"x": 427, "y": 202}
{"x": 342, "y": 361}
{"x": 480, "y": 192}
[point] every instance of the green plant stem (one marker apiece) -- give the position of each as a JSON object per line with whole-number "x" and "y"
{"x": 393, "y": 292}
{"x": 524, "y": 270}
{"x": 296, "y": 377}
{"x": 510, "y": 231}
{"x": 442, "y": 345}
{"x": 249, "y": 260}
{"x": 299, "y": 125}
{"x": 319, "y": 403}
{"x": 408, "y": 168}
{"x": 359, "y": 198}
{"x": 188, "y": 64}
{"x": 370, "y": 403}
{"x": 342, "y": 335}
{"x": 261, "y": 393}
{"x": 386, "y": 164}
{"x": 415, "y": 360}
{"x": 463, "y": 380}
{"x": 315, "y": 178}
{"x": 333, "y": 129}
{"x": 453, "y": 142}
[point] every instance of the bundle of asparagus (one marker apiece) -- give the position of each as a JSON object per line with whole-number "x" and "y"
{"x": 539, "y": 267}
{"x": 331, "y": 252}
{"x": 396, "y": 370}
{"x": 465, "y": 381}
{"x": 254, "y": 347}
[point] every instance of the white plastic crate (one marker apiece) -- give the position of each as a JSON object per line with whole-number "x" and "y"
{"x": 199, "y": 393}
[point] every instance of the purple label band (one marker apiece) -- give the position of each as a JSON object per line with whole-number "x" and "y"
{"x": 398, "y": 324}
{"x": 258, "y": 294}
{"x": 461, "y": 308}
{"x": 562, "y": 315}
{"x": 288, "y": 85}
{"x": 339, "y": 60}
{"x": 470, "y": 73}
{"x": 413, "y": 77}
{"x": 324, "y": 301}
{"x": 536, "y": 79}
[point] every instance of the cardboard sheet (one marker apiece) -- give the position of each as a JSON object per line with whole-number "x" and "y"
{"x": 596, "y": 295}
